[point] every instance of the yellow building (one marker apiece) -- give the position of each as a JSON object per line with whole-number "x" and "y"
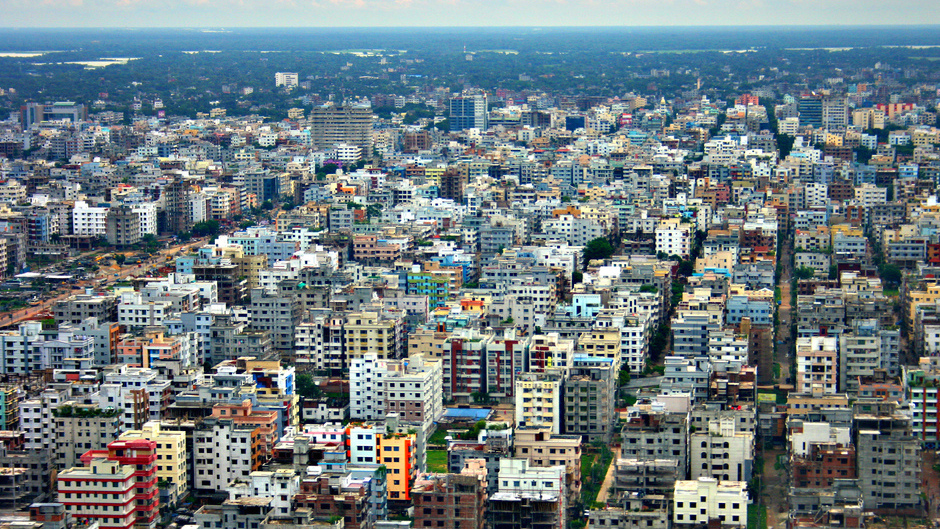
{"x": 429, "y": 344}
{"x": 538, "y": 400}
{"x": 433, "y": 174}
{"x": 924, "y": 137}
{"x": 926, "y": 296}
{"x": 172, "y": 460}
{"x": 846, "y": 230}
{"x": 397, "y": 453}
{"x": 604, "y": 343}
{"x": 799, "y": 403}
{"x": 369, "y": 332}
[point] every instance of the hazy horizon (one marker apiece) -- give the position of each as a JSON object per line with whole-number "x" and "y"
{"x": 460, "y": 13}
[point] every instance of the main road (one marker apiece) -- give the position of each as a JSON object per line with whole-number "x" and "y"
{"x": 109, "y": 275}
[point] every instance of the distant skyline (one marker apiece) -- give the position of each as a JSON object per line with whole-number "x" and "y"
{"x": 443, "y": 13}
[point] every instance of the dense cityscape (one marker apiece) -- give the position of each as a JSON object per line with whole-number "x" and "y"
{"x": 470, "y": 279}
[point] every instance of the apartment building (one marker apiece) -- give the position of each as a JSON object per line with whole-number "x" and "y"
{"x": 707, "y": 500}
{"x": 543, "y": 449}
{"x": 602, "y": 343}
{"x": 889, "y": 461}
{"x": 722, "y": 452}
{"x": 673, "y": 237}
{"x": 538, "y": 399}
{"x": 589, "y": 398}
{"x": 117, "y": 487}
{"x": 373, "y": 332}
{"x": 172, "y": 458}
{"x": 817, "y": 364}
{"x": 527, "y": 493}
{"x": 79, "y": 428}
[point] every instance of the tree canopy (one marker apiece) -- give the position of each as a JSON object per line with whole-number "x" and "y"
{"x": 804, "y": 272}
{"x": 599, "y": 248}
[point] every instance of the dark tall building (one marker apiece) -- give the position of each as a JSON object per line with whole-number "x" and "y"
{"x": 178, "y": 209}
{"x": 122, "y": 226}
{"x": 468, "y": 111}
{"x": 452, "y": 184}
{"x": 811, "y": 110}
{"x": 332, "y": 124}
{"x": 417, "y": 141}
{"x": 573, "y": 123}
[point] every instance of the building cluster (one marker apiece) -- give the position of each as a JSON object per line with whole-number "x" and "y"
{"x": 397, "y": 326}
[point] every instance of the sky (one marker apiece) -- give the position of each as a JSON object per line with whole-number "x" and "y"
{"x": 424, "y": 13}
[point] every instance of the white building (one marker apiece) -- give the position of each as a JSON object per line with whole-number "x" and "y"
{"x": 517, "y": 478}
{"x": 722, "y": 452}
{"x": 870, "y": 195}
{"x": 288, "y": 79}
{"x": 36, "y": 420}
{"x": 280, "y": 485}
{"x": 810, "y": 433}
{"x": 817, "y": 364}
{"x": 695, "y": 502}
{"x": 348, "y": 153}
{"x": 87, "y": 220}
{"x": 573, "y": 230}
{"x": 674, "y": 238}
{"x": 122, "y": 390}
{"x": 363, "y": 445}
{"x": 816, "y": 194}
{"x": 411, "y": 388}
{"x": 222, "y": 453}
{"x": 147, "y": 212}
{"x": 789, "y": 126}
{"x": 133, "y": 311}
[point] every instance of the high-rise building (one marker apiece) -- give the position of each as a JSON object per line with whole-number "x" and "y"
{"x": 334, "y": 124}
{"x": 452, "y": 185}
{"x": 835, "y": 112}
{"x": 59, "y": 111}
{"x": 288, "y": 79}
{"x": 468, "y": 111}
{"x": 176, "y": 201}
{"x": 122, "y": 226}
{"x": 82, "y": 427}
{"x": 811, "y": 110}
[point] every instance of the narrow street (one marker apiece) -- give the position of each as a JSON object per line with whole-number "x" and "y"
{"x": 604, "y": 491}
{"x": 784, "y": 310}
{"x": 775, "y": 481}
{"x": 774, "y": 495}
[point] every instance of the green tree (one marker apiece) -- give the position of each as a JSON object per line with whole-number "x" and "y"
{"x": 119, "y": 259}
{"x": 804, "y": 272}
{"x": 785, "y": 144}
{"x": 306, "y": 387}
{"x": 373, "y": 210}
{"x": 599, "y": 248}
{"x": 150, "y": 243}
{"x": 577, "y": 276}
{"x": 206, "y": 228}
{"x": 891, "y": 275}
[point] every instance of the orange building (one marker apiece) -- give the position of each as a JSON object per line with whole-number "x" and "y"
{"x": 243, "y": 415}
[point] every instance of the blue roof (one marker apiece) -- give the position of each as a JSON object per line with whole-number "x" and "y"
{"x": 476, "y": 414}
